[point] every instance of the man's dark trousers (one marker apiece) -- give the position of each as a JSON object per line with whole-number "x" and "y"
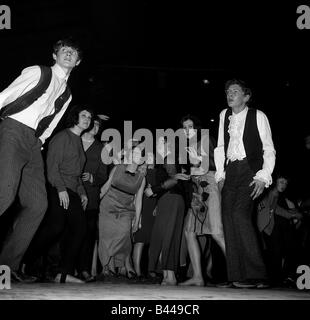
{"x": 22, "y": 174}
{"x": 243, "y": 253}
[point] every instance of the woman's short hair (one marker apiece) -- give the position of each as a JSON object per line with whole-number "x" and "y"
{"x": 73, "y": 116}
{"x": 68, "y": 42}
{"x": 280, "y": 175}
{"x": 196, "y": 121}
{"x": 91, "y": 126}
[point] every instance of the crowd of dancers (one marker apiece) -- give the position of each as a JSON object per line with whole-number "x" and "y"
{"x": 140, "y": 219}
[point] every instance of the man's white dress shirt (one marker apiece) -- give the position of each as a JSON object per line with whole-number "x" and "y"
{"x": 236, "y": 151}
{"x": 42, "y": 107}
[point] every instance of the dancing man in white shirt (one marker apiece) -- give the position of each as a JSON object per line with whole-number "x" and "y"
{"x": 30, "y": 109}
{"x": 244, "y": 159}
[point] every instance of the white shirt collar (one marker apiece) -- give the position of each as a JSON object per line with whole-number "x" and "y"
{"x": 242, "y": 113}
{"x": 59, "y": 72}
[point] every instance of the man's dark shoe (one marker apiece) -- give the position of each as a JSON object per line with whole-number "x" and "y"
{"x": 226, "y": 284}
{"x": 289, "y": 283}
{"x": 263, "y": 285}
{"x": 20, "y": 277}
{"x": 244, "y": 284}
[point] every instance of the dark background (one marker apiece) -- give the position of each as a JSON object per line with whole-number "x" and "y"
{"x": 146, "y": 61}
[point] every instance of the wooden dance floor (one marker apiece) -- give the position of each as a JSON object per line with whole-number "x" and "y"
{"x": 133, "y": 291}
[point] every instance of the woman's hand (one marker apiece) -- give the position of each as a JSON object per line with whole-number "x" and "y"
{"x": 148, "y": 191}
{"x": 182, "y": 176}
{"x": 64, "y": 199}
{"x": 135, "y": 225}
{"x": 140, "y": 224}
{"x": 296, "y": 214}
{"x": 86, "y": 176}
{"x": 103, "y": 117}
{"x": 84, "y": 201}
{"x": 193, "y": 155}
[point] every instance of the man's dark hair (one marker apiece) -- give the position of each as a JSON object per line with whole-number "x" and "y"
{"x": 246, "y": 90}
{"x": 73, "y": 116}
{"x": 68, "y": 42}
{"x": 196, "y": 121}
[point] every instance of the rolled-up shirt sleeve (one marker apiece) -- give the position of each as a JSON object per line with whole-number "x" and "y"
{"x": 269, "y": 153}
{"x": 27, "y": 80}
{"x": 219, "y": 152}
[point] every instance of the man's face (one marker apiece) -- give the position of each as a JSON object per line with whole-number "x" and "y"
{"x": 84, "y": 120}
{"x": 281, "y": 184}
{"x": 236, "y": 97}
{"x": 67, "y": 58}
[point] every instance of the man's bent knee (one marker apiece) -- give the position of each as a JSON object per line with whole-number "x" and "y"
{"x": 37, "y": 207}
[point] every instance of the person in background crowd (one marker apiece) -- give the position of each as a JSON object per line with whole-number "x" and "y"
{"x": 65, "y": 220}
{"x": 276, "y": 219}
{"x": 94, "y": 176}
{"x": 204, "y": 214}
{"x": 167, "y": 230}
{"x": 119, "y": 216}
{"x": 143, "y": 235}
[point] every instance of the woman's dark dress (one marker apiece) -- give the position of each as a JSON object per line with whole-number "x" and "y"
{"x": 167, "y": 229}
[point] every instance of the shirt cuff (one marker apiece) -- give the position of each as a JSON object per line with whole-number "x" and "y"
{"x": 262, "y": 175}
{"x": 219, "y": 176}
